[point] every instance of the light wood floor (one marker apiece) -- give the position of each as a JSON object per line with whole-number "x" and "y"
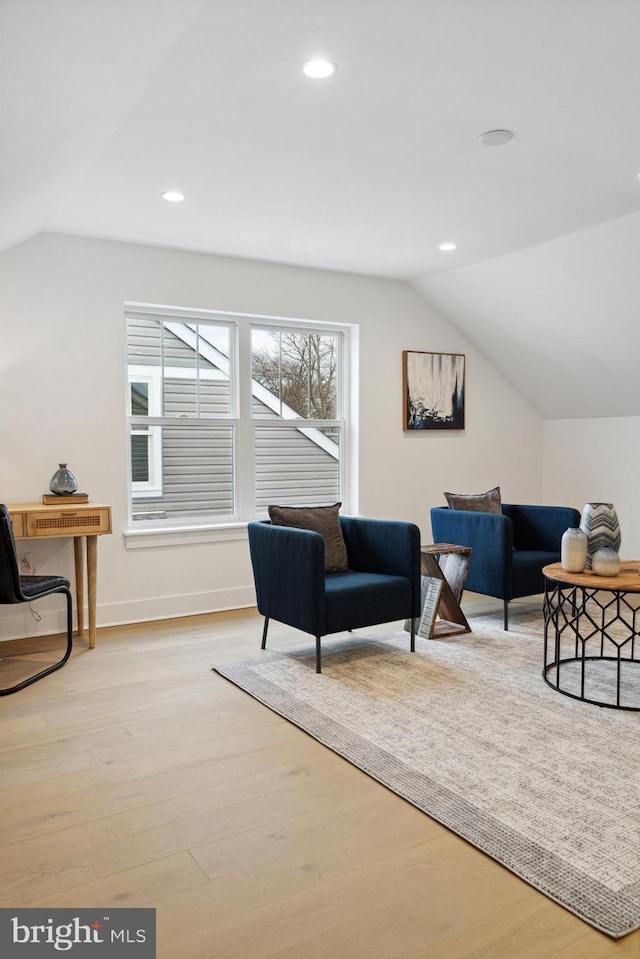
{"x": 136, "y": 776}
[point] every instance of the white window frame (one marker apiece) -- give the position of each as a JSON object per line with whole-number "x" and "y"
{"x": 153, "y": 379}
{"x": 141, "y": 533}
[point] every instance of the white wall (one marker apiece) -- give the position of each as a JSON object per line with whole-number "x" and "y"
{"x": 596, "y": 460}
{"x": 63, "y": 385}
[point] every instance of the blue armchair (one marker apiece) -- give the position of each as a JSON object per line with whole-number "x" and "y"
{"x": 509, "y": 549}
{"x": 382, "y": 583}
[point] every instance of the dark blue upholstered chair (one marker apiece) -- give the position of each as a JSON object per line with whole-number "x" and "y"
{"x": 509, "y": 550}
{"x": 382, "y": 584}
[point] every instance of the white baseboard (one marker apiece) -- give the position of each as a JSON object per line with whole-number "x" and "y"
{"x": 170, "y": 607}
{"x": 17, "y": 622}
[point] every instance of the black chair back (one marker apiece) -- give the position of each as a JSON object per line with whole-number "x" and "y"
{"x": 10, "y": 590}
{"x": 14, "y": 589}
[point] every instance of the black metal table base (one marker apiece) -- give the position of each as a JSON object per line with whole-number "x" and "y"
{"x": 590, "y": 645}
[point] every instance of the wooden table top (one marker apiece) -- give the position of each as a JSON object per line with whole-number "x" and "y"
{"x": 627, "y": 580}
{"x": 445, "y": 548}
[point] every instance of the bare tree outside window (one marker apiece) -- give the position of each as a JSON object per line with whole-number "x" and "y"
{"x": 299, "y": 369}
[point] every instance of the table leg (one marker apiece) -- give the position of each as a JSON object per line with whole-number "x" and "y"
{"x": 92, "y": 575}
{"x": 79, "y": 564}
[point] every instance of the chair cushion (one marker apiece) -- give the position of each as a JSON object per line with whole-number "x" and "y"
{"x": 489, "y": 502}
{"x": 321, "y": 519}
{"x": 365, "y": 599}
{"x": 35, "y": 586}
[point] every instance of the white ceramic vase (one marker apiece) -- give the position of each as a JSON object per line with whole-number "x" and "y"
{"x": 605, "y": 562}
{"x": 573, "y": 550}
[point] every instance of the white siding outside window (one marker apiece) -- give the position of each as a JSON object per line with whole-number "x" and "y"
{"x": 228, "y": 414}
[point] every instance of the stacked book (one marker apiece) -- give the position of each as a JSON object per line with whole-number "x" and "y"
{"x": 62, "y": 499}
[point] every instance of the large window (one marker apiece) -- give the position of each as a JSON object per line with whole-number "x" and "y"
{"x": 228, "y": 414}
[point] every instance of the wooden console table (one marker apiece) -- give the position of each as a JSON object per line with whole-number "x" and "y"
{"x": 79, "y": 521}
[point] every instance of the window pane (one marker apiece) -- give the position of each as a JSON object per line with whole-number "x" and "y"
{"x": 140, "y": 457}
{"x": 144, "y": 342}
{"x": 188, "y": 363}
{"x": 296, "y": 466}
{"x": 180, "y": 388}
{"x": 140, "y": 399}
{"x": 196, "y": 370}
{"x": 297, "y": 373}
{"x": 214, "y": 363}
{"x": 197, "y": 474}
{"x": 208, "y": 395}
{"x": 265, "y": 372}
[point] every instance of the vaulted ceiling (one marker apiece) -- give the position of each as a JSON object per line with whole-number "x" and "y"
{"x": 108, "y": 103}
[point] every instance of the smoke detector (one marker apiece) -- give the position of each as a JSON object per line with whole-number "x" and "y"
{"x": 495, "y": 138}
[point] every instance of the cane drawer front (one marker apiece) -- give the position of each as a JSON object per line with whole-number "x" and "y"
{"x": 76, "y": 522}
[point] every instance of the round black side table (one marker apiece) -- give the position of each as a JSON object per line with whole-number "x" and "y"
{"x": 591, "y": 630}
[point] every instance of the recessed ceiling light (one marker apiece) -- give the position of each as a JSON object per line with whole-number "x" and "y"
{"x": 319, "y": 69}
{"x": 173, "y": 196}
{"x": 447, "y": 247}
{"x": 495, "y": 138}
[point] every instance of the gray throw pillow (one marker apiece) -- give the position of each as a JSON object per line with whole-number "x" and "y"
{"x": 321, "y": 519}
{"x": 489, "y": 502}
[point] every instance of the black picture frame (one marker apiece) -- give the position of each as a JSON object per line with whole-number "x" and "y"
{"x": 433, "y": 390}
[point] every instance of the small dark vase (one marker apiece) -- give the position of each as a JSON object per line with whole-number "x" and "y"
{"x": 63, "y": 481}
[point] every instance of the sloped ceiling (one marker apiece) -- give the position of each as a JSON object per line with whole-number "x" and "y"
{"x": 107, "y": 103}
{"x": 70, "y": 73}
{"x": 559, "y": 320}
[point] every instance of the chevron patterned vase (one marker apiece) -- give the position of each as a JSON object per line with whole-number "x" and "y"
{"x": 600, "y": 522}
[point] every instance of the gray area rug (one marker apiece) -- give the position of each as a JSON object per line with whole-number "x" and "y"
{"x": 467, "y": 731}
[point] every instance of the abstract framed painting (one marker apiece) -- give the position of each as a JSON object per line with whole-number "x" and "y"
{"x": 432, "y": 390}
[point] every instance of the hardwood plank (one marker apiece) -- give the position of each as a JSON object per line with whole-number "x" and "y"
{"x": 117, "y": 787}
{"x": 147, "y": 886}
{"x": 45, "y": 878}
{"x": 136, "y": 776}
{"x": 197, "y": 819}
